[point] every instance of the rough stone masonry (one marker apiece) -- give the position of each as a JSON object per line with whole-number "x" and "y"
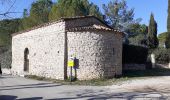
{"x": 44, "y": 50}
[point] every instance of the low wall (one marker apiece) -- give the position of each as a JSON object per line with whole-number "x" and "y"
{"x": 131, "y": 67}
{"x": 6, "y": 71}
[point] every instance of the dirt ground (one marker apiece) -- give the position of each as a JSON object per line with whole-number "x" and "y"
{"x": 18, "y": 88}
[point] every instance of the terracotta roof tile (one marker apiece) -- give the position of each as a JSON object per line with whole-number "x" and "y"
{"x": 94, "y": 27}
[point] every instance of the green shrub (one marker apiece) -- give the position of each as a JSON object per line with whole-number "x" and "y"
{"x": 5, "y": 57}
{"x": 134, "y": 54}
{"x": 162, "y": 55}
{"x": 167, "y": 42}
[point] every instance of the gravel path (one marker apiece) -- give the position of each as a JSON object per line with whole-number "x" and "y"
{"x": 154, "y": 88}
{"x": 18, "y": 88}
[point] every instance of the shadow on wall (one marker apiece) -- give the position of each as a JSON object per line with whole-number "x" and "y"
{"x": 9, "y": 97}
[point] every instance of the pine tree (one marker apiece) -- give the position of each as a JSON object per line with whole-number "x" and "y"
{"x": 167, "y": 42}
{"x": 118, "y": 15}
{"x": 152, "y": 40}
{"x": 39, "y": 14}
{"x": 71, "y": 8}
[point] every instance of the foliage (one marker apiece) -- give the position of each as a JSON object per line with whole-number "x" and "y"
{"x": 162, "y": 36}
{"x": 138, "y": 40}
{"x": 167, "y": 42}
{"x": 152, "y": 40}
{"x": 6, "y": 28}
{"x": 168, "y": 19}
{"x": 6, "y": 57}
{"x": 92, "y": 82}
{"x": 162, "y": 55}
{"x": 118, "y": 15}
{"x": 137, "y": 28}
{"x": 134, "y": 54}
{"x": 138, "y": 34}
{"x": 71, "y": 8}
{"x": 39, "y": 13}
{"x": 162, "y": 39}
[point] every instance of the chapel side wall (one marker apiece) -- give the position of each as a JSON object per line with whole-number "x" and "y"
{"x": 94, "y": 51}
{"x": 46, "y": 51}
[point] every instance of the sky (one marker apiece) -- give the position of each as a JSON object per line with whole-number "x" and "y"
{"x": 142, "y": 9}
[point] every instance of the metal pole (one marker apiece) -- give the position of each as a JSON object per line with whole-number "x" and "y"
{"x": 0, "y": 69}
{"x": 70, "y": 73}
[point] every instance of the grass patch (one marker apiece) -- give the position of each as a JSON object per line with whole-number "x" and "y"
{"x": 148, "y": 73}
{"x": 93, "y": 82}
{"x": 127, "y": 76}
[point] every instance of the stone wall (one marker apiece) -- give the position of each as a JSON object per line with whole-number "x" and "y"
{"x": 6, "y": 71}
{"x": 46, "y": 51}
{"x": 99, "y": 53}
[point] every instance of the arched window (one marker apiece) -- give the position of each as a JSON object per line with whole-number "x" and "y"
{"x": 26, "y": 60}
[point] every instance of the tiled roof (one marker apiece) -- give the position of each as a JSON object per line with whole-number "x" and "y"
{"x": 94, "y": 27}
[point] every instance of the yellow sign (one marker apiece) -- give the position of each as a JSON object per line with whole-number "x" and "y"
{"x": 70, "y": 63}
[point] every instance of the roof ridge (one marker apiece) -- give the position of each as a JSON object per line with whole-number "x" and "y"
{"x": 52, "y": 22}
{"x": 62, "y": 19}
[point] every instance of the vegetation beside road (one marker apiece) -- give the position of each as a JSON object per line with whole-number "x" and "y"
{"x": 127, "y": 76}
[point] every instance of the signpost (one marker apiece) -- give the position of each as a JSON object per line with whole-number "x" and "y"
{"x": 71, "y": 65}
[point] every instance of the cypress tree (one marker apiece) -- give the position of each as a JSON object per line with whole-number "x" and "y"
{"x": 168, "y": 20}
{"x": 152, "y": 40}
{"x": 167, "y": 42}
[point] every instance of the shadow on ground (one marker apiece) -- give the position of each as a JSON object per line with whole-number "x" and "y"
{"x": 40, "y": 85}
{"x": 136, "y": 95}
{"x": 147, "y": 73}
{"x": 88, "y": 94}
{"x": 9, "y": 97}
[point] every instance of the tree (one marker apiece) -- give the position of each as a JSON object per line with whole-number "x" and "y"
{"x": 139, "y": 33}
{"x": 152, "y": 40}
{"x": 168, "y": 19}
{"x": 71, "y": 8}
{"x": 118, "y": 16}
{"x": 39, "y": 13}
{"x": 7, "y": 27}
{"x": 167, "y": 42}
{"x": 162, "y": 38}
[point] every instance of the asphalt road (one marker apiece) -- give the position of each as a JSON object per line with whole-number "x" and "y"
{"x": 18, "y": 88}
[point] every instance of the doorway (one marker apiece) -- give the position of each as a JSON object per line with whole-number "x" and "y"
{"x": 26, "y": 60}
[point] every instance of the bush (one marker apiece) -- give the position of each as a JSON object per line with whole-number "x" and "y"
{"x": 162, "y": 55}
{"x": 134, "y": 54}
{"x": 167, "y": 42}
{"x": 5, "y": 57}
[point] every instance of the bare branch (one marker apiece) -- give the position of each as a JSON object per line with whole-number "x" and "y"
{"x": 7, "y": 12}
{"x": 11, "y": 6}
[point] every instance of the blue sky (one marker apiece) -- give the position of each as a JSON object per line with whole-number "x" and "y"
{"x": 143, "y": 9}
